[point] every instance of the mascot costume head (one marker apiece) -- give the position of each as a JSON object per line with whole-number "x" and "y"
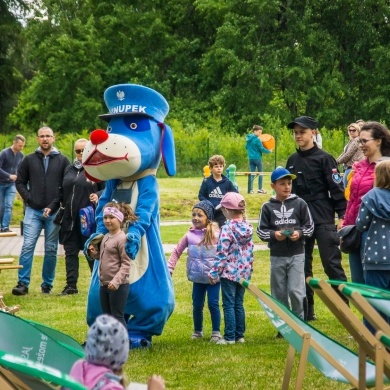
{"x": 126, "y": 155}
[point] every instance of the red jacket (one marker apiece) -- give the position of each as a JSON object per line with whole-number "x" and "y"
{"x": 362, "y": 182}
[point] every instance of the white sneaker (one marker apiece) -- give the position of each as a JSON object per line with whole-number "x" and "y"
{"x": 241, "y": 340}
{"x": 215, "y": 337}
{"x": 197, "y": 335}
{"x": 225, "y": 342}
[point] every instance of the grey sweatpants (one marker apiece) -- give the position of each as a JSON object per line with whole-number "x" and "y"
{"x": 288, "y": 281}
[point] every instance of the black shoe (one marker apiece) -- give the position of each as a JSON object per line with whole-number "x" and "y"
{"x": 68, "y": 290}
{"x": 6, "y": 230}
{"x": 20, "y": 289}
{"x": 311, "y": 316}
{"x": 279, "y": 336}
{"x": 45, "y": 289}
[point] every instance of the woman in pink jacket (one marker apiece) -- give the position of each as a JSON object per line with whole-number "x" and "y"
{"x": 374, "y": 140}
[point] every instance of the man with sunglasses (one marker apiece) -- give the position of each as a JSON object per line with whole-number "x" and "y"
{"x": 38, "y": 182}
{"x": 318, "y": 183}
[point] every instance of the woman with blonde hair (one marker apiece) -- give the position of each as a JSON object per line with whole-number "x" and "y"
{"x": 351, "y": 153}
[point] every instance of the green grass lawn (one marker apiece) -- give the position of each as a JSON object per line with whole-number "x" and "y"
{"x": 185, "y": 363}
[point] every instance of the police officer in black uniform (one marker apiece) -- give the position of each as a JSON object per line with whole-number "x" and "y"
{"x": 319, "y": 183}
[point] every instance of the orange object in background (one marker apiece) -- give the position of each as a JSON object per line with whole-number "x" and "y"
{"x": 268, "y": 141}
{"x": 206, "y": 171}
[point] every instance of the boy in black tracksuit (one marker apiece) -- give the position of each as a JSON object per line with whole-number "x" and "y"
{"x": 320, "y": 185}
{"x": 215, "y": 186}
{"x": 285, "y": 222}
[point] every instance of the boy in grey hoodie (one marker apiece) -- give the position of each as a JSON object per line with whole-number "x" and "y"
{"x": 284, "y": 222}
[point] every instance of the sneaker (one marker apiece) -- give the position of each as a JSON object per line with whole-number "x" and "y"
{"x": 241, "y": 340}
{"x": 20, "y": 289}
{"x": 197, "y": 335}
{"x": 45, "y": 289}
{"x": 6, "y": 230}
{"x": 261, "y": 191}
{"x": 215, "y": 337}
{"x": 69, "y": 290}
{"x": 251, "y": 192}
{"x": 225, "y": 342}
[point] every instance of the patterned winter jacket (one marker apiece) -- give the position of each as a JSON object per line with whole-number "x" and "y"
{"x": 374, "y": 217}
{"x": 234, "y": 252}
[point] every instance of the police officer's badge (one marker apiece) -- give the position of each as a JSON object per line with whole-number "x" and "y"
{"x": 336, "y": 177}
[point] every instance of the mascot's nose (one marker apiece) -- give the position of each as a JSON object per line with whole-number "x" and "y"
{"x": 99, "y": 136}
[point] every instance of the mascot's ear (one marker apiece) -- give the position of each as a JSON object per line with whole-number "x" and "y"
{"x": 167, "y": 148}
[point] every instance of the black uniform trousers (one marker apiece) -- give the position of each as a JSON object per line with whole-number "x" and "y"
{"x": 73, "y": 244}
{"x": 328, "y": 245}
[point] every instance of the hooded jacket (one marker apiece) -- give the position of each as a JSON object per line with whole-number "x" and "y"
{"x": 234, "y": 259}
{"x": 362, "y": 182}
{"x": 90, "y": 374}
{"x": 255, "y": 147}
{"x": 374, "y": 217}
{"x": 214, "y": 191}
{"x": 275, "y": 215}
{"x": 40, "y": 179}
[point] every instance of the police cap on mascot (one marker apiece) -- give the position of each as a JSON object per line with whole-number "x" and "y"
{"x": 126, "y": 155}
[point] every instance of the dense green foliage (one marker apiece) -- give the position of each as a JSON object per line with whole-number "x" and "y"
{"x": 194, "y": 147}
{"x": 221, "y": 65}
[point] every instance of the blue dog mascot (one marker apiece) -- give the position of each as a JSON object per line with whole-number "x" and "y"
{"x": 127, "y": 156}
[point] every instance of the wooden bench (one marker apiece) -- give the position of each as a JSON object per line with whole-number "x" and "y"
{"x": 7, "y": 263}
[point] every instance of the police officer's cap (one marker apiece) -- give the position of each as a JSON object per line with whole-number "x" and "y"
{"x": 306, "y": 122}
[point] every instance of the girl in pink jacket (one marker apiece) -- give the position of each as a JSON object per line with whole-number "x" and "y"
{"x": 374, "y": 141}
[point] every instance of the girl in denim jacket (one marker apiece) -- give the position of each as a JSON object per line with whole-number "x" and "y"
{"x": 201, "y": 240}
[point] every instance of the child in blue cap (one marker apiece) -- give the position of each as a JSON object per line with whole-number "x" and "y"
{"x": 284, "y": 222}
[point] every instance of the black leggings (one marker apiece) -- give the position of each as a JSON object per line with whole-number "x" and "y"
{"x": 113, "y": 301}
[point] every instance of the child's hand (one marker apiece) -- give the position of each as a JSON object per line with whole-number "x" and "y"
{"x": 213, "y": 281}
{"x": 294, "y": 236}
{"x": 156, "y": 382}
{"x": 111, "y": 287}
{"x": 279, "y": 236}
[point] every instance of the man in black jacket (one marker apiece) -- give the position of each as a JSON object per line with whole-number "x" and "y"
{"x": 39, "y": 180}
{"x": 318, "y": 183}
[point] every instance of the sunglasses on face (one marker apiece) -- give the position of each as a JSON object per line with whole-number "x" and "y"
{"x": 364, "y": 141}
{"x": 79, "y": 151}
{"x": 352, "y": 130}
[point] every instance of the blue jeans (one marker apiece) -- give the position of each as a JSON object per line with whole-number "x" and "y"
{"x": 380, "y": 279}
{"x": 198, "y": 297}
{"x": 233, "y": 309}
{"x": 33, "y": 223}
{"x": 253, "y": 164}
{"x": 345, "y": 176}
{"x": 7, "y": 197}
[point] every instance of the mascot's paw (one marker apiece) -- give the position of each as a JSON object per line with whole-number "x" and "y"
{"x": 94, "y": 239}
{"x": 137, "y": 343}
{"x": 132, "y": 244}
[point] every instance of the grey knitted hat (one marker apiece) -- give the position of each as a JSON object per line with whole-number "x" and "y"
{"x": 107, "y": 343}
{"x": 207, "y": 207}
